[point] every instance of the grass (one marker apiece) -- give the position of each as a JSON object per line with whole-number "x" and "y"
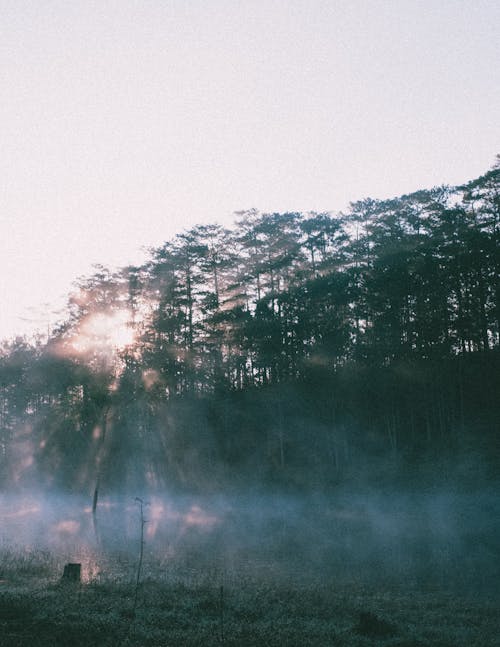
{"x": 180, "y": 605}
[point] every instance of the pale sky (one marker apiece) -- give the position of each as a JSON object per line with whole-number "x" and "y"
{"x": 124, "y": 122}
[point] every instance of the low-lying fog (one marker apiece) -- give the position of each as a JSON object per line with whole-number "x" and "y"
{"x": 431, "y": 538}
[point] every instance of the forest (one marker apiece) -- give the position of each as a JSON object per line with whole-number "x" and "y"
{"x": 281, "y": 433}
{"x": 297, "y": 351}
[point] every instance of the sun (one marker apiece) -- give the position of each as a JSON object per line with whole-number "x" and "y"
{"x": 109, "y": 331}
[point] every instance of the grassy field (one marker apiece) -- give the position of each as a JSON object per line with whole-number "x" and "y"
{"x": 252, "y": 605}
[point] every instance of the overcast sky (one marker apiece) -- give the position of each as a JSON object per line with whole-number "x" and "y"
{"x": 123, "y": 122}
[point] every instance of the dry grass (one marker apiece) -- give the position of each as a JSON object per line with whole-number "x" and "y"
{"x": 181, "y": 606}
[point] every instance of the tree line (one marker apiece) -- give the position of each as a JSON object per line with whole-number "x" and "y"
{"x": 206, "y": 358}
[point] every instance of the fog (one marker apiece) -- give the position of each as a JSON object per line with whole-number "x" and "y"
{"x": 433, "y": 538}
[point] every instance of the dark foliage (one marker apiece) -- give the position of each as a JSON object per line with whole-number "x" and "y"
{"x": 295, "y": 350}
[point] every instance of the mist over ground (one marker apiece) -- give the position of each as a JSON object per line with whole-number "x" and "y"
{"x": 431, "y": 539}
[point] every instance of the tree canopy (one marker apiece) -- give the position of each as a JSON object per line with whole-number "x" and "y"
{"x": 207, "y": 359}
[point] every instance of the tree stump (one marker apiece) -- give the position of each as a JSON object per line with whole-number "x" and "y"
{"x": 72, "y": 573}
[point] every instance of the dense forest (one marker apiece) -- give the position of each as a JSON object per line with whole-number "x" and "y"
{"x": 297, "y": 350}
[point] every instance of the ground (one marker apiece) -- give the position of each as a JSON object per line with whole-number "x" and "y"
{"x": 243, "y": 607}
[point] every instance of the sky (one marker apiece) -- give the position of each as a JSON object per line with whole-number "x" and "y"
{"x": 124, "y": 122}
